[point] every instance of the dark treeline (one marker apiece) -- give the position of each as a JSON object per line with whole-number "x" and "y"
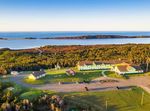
{"x": 17, "y": 99}
{"x": 97, "y": 37}
{"x": 82, "y": 37}
{"x": 68, "y": 56}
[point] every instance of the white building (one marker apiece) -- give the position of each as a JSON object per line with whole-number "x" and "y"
{"x": 14, "y": 72}
{"x": 37, "y": 75}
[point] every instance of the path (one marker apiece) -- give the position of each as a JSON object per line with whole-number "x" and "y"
{"x": 103, "y": 73}
{"x": 143, "y": 81}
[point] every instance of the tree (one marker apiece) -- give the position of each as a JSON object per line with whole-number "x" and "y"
{"x": 3, "y": 71}
{"x": 147, "y": 64}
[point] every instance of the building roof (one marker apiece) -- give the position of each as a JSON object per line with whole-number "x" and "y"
{"x": 115, "y": 61}
{"x": 138, "y": 68}
{"x": 82, "y": 63}
{"x": 70, "y": 71}
{"x": 98, "y": 62}
{"x": 123, "y": 68}
{"x": 38, "y": 73}
{"x": 14, "y": 72}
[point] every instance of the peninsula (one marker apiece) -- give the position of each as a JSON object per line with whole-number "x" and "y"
{"x": 97, "y": 37}
{"x": 76, "y": 37}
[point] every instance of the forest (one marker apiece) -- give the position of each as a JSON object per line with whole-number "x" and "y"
{"x": 16, "y": 98}
{"x": 67, "y": 56}
{"x": 97, "y": 37}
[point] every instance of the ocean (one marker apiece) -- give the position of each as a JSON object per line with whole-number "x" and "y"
{"x": 15, "y": 40}
{"x": 68, "y": 33}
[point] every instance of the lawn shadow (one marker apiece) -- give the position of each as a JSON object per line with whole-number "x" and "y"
{"x": 78, "y": 77}
{"x": 89, "y": 103}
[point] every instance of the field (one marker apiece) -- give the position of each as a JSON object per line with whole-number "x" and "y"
{"x": 126, "y": 76}
{"x": 117, "y": 100}
{"x": 19, "y": 91}
{"x": 55, "y": 76}
{"x": 113, "y": 74}
{"x": 121, "y": 100}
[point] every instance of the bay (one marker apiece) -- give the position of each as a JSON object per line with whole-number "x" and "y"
{"x": 24, "y": 44}
{"x": 69, "y": 33}
{"x": 15, "y": 40}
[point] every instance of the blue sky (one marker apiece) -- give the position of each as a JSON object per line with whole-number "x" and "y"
{"x": 74, "y": 15}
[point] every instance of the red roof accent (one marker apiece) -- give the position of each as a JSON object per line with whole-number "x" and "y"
{"x": 123, "y": 68}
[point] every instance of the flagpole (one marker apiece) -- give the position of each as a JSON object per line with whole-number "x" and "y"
{"x": 142, "y": 98}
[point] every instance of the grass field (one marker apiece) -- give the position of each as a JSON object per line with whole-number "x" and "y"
{"x": 19, "y": 91}
{"x": 55, "y": 76}
{"x": 117, "y": 100}
{"x": 121, "y": 100}
{"x": 127, "y": 76}
{"x": 113, "y": 74}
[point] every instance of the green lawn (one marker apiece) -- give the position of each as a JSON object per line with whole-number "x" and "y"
{"x": 148, "y": 73}
{"x": 121, "y": 100}
{"x": 55, "y": 76}
{"x": 127, "y": 76}
{"x": 31, "y": 95}
{"x": 113, "y": 74}
{"x": 117, "y": 100}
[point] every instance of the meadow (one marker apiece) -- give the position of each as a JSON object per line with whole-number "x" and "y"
{"x": 121, "y": 100}
{"x": 117, "y": 100}
{"x": 56, "y": 76}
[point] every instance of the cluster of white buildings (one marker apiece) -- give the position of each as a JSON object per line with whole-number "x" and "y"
{"x": 120, "y": 68}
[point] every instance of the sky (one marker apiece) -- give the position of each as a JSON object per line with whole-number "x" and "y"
{"x": 74, "y": 15}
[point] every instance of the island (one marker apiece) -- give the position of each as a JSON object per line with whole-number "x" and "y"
{"x": 78, "y": 37}
{"x": 96, "y": 37}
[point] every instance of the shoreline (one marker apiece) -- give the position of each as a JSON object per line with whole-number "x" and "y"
{"x": 77, "y": 37}
{"x": 94, "y": 45}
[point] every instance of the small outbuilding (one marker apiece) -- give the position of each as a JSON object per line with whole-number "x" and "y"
{"x": 10, "y": 88}
{"x": 37, "y": 75}
{"x": 70, "y": 72}
{"x": 14, "y": 73}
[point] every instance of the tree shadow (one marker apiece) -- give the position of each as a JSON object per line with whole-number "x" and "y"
{"x": 89, "y": 103}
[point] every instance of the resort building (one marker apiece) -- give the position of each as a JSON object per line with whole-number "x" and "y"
{"x": 125, "y": 68}
{"x": 120, "y": 68}
{"x": 37, "y": 75}
{"x": 94, "y": 65}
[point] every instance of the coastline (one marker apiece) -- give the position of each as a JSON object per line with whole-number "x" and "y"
{"x": 99, "y": 37}
{"x": 22, "y": 42}
{"x": 96, "y": 45}
{"x": 77, "y": 37}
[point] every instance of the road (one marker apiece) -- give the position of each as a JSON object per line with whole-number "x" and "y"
{"x": 140, "y": 81}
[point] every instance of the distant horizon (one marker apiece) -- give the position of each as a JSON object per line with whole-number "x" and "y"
{"x": 78, "y": 31}
{"x": 24, "y": 40}
{"x": 49, "y": 34}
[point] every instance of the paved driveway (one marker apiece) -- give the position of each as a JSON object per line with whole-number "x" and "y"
{"x": 141, "y": 81}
